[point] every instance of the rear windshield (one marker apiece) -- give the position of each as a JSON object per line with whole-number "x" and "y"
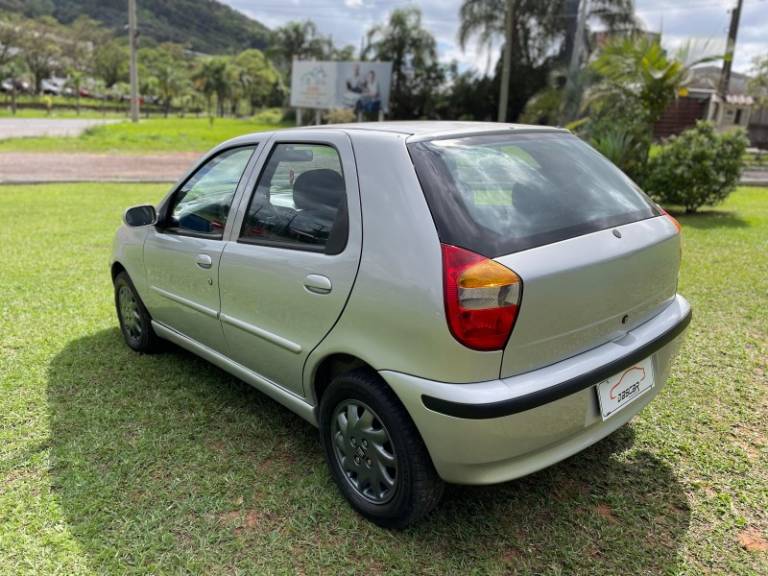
{"x": 500, "y": 193}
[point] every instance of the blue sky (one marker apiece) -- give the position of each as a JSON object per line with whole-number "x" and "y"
{"x": 347, "y": 21}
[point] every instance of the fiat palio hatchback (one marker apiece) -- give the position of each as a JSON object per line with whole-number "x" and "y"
{"x": 446, "y": 301}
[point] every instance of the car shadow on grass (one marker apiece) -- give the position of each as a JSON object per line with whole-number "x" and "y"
{"x": 166, "y": 464}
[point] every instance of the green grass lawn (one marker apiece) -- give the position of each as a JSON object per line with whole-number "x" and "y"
{"x": 171, "y": 134}
{"x": 115, "y": 463}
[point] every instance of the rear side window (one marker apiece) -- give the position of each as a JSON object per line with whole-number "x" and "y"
{"x": 497, "y": 194}
{"x": 300, "y": 200}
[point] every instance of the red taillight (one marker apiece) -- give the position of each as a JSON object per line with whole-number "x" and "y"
{"x": 671, "y": 219}
{"x": 481, "y": 298}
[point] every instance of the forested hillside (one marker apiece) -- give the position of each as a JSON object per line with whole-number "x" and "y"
{"x": 205, "y": 25}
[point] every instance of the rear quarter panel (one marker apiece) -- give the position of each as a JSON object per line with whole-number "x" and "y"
{"x": 395, "y": 318}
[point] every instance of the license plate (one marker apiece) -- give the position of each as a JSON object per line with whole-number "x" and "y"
{"x": 623, "y": 388}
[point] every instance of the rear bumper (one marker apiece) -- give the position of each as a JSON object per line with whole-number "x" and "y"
{"x": 503, "y": 429}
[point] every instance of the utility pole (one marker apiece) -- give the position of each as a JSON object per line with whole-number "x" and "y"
{"x": 725, "y": 77}
{"x": 133, "y": 37}
{"x": 571, "y": 83}
{"x": 506, "y": 64}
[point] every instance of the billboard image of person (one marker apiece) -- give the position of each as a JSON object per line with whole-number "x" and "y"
{"x": 362, "y": 86}
{"x": 363, "y": 93}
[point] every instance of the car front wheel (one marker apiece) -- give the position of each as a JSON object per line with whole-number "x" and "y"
{"x": 376, "y": 456}
{"x": 135, "y": 322}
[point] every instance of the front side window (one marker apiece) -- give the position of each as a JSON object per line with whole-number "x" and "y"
{"x": 300, "y": 200}
{"x": 201, "y": 206}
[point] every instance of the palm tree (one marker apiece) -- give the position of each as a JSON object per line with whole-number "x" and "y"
{"x": 637, "y": 69}
{"x": 256, "y": 76}
{"x": 298, "y": 41}
{"x": 541, "y": 34}
{"x": 211, "y": 78}
{"x": 412, "y": 51}
{"x": 637, "y": 81}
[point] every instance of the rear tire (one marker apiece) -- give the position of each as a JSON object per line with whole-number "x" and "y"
{"x": 376, "y": 456}
{"x": 135, "y": 321}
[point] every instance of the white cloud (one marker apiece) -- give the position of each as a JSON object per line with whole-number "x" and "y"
{"x": 348, "y": 20}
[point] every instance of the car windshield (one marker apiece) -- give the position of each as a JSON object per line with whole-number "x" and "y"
{"x": 496, "y": 194}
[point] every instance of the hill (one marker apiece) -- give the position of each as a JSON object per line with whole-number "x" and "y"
{"x": 205, "y": 25}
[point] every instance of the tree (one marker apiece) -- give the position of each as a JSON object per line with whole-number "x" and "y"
{"x": 211, "y": 79}
{"x": 470, "y": 96}
{"x": 11, "y": 31}
{"x": 110, "y": 63}
{"x": 298, "y": 41}
{"x": 636, "y": 69}
{"x": 344, "y": 54}
{"x": 541, "y": 36}
{"x": 78, "y": 47}
{"x": 169, "y": 66}
{"x": 758, "y": 84}
{"x": 11, "y": 65}
{"x": 40, "y": 46}
{"x": 257, "y": 77}
{"x": 636, "y": 82}
{"x": 416, "y": 73}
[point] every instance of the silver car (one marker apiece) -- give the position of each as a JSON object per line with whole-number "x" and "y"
{"x": 447, "y": 301}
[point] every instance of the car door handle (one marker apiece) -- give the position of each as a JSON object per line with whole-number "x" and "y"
{"x": 317, "y": 284}
{"x": 204, "y": 261}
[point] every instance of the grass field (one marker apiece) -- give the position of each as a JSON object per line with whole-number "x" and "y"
{"x": 155, "y": 134}
{"x": 115, "y": 463}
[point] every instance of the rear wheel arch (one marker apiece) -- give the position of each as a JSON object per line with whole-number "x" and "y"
{"x": 330, "y": 367}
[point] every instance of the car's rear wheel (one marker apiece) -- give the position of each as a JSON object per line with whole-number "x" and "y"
{"x": 375, "y": 453}
{"x": 135, "y": 321}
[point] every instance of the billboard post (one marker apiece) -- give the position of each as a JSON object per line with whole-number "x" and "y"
{"x": 362, "y": 87}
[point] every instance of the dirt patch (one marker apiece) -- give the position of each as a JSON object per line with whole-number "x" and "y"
{"x": 753, "y": 541}
{"x": 28, "y": 168}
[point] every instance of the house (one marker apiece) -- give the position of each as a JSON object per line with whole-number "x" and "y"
{"x": 700, "y": 100}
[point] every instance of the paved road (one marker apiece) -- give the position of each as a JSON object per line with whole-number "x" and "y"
{"x": 23, "y": 168}
{"x": 29, "y": 127}
{"x": 755, "y": 177}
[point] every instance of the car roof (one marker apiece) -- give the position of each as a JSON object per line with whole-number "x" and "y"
{"x": 415, "y": 130}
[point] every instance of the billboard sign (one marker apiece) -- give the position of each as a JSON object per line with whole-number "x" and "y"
{"x": 360, "y": 86}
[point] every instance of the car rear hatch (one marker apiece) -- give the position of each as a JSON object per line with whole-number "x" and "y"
{"x": 582, "y": 292}
{"x": 595, "y": 256}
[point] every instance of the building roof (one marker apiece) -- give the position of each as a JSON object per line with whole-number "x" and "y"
{"x": 707, "y": 78}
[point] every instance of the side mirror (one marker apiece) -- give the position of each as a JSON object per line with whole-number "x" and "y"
{"x": 140, "y": 216}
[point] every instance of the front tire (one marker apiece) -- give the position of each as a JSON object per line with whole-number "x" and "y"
{"x": 135, "y": 321}
{"x": 376, "y": 456}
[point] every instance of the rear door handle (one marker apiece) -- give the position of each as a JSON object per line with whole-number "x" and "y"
{"x": 204, "y": 261}
{"x": 317, "y": 284}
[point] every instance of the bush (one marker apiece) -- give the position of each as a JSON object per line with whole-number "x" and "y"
{"x": 697, "y": 168}
{"x": 626, "y": 148}
{"x": 340, "y": 116}
{"x": 269, "y": 116}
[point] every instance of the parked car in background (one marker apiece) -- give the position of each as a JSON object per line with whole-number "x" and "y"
{"x": 55, "y": 86}
{"x": 21, "y": 85}
{"x": 446, "y": 301}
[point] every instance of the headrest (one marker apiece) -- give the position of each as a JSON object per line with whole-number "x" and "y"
{"x": 321, "y": 188}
